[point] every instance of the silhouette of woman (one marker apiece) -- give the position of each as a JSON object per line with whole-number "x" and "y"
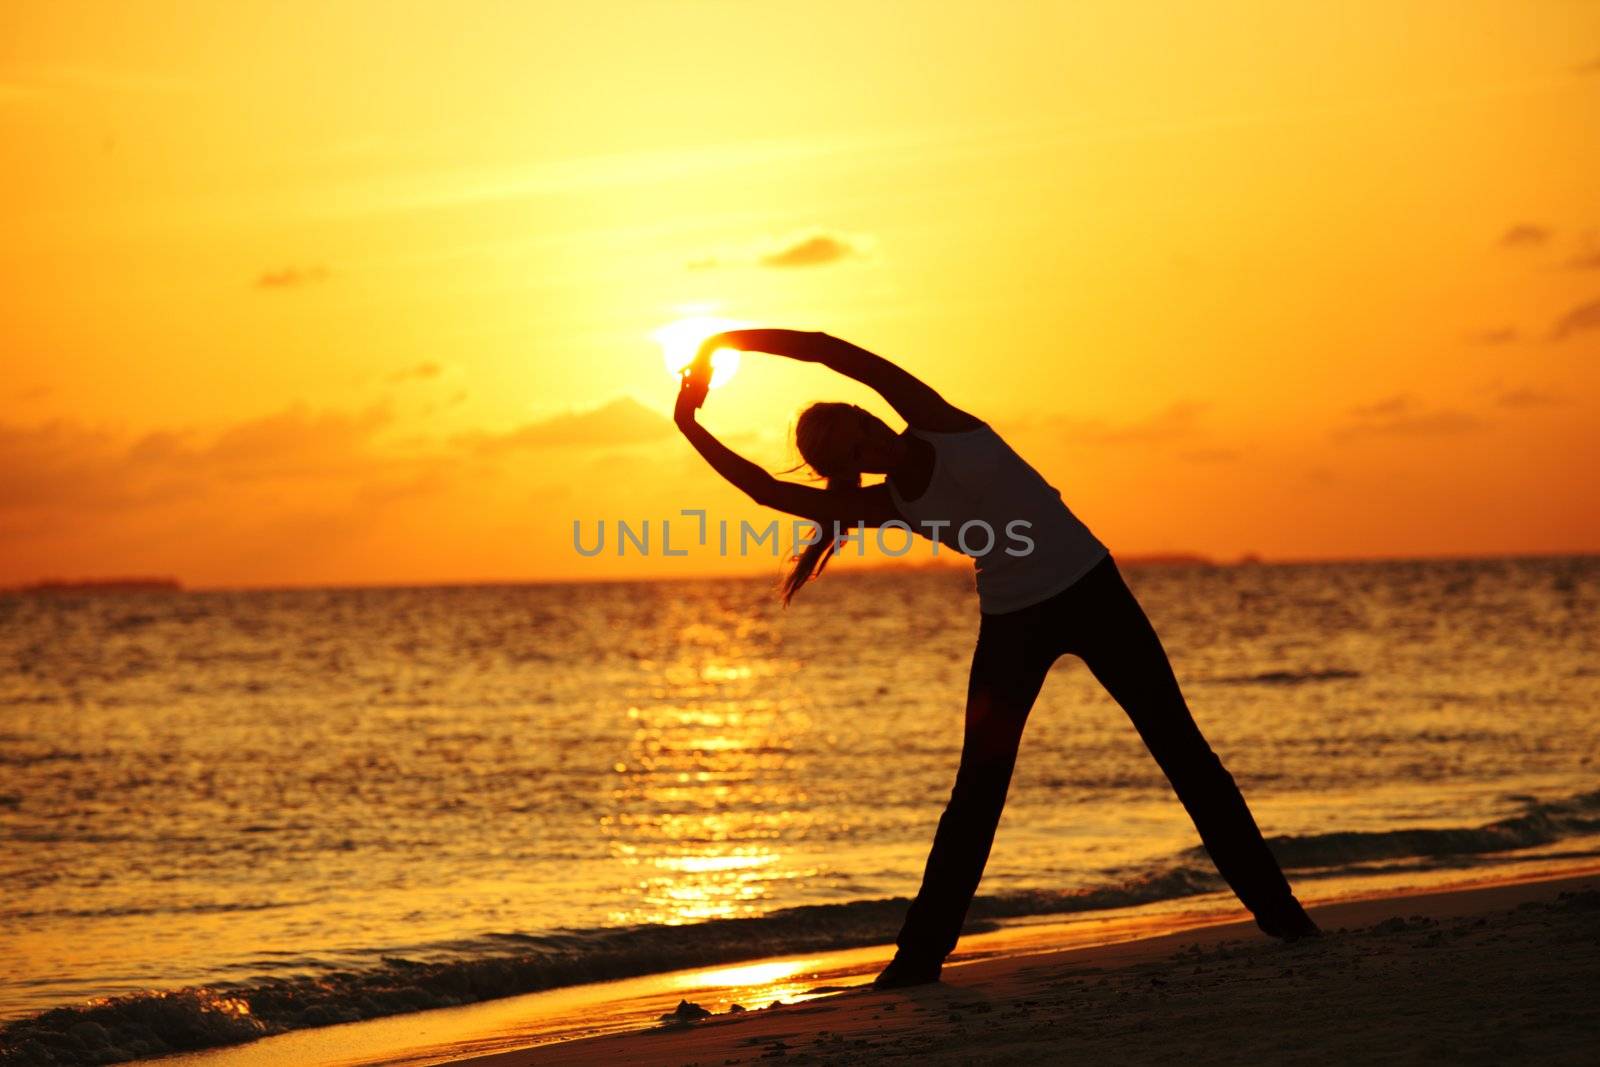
{"x": 1045, "y": 588}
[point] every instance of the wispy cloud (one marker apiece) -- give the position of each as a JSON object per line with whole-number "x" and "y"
{"x": 1394, "y": 405}
{"x": 1589, "y": 258}
{"x": 299, "y": 461}
{"x": 809, "y": 248}
{"x": 1582, "y": 318}
{"x": 402, "y": 191}
{"x": 291, "y": 277}
{"x": 66, "y": 465}
{"x": 1525, "y": 235}
{"x": 813, "y": 249}
{"x": 1500, "y": 335}
{"x": 1176, "y": 421}
{"x": 422, "y": 372}
{"x": 1525, "y": 397}
{"x": 623, "y": 421}
{"x": 1320, "y": 475}
{"x": 1403, "y": 416}
{"x": 62, "y": 464}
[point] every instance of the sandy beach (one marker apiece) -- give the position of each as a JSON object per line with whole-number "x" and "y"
{"x": 1494, "y": 974}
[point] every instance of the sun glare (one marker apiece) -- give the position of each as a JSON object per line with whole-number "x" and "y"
{"x": 681, "y": 340}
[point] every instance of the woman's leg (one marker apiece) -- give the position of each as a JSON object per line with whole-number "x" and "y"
{"x": 1008, "y": 668}
{"x": 1121, "y": 648}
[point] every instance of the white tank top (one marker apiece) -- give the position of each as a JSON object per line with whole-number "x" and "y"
{"x": 986, "y": 502}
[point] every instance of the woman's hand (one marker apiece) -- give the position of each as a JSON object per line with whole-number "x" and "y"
{"x": 691, "y": 394}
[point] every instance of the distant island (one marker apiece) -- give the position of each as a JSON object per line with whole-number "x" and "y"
{"x": 1165, "y": 559}
{"x": 100, "y": 585}
{"x": 955, "y": 561}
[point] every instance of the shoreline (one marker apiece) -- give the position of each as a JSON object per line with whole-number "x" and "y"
{"x": 823, "y": 994}
{"x": 618, "y": 1020}
{"x": 1482, "y": 964}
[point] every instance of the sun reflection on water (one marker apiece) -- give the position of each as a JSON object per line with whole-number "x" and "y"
{"x": 790, "y": 981}
{"x": 747, "y": 974}
{"x": 709, "y": 783}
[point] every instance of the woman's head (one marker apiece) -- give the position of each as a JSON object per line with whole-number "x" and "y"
{"x": 840, "y": 442}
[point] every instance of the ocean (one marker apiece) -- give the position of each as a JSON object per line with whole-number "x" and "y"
{"x": 267, "y": 810}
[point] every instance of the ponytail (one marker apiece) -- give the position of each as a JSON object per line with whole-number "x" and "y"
{"x": 809, "y": 563}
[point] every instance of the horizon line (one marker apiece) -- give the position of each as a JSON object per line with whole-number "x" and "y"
{"x": 174, "y": 584}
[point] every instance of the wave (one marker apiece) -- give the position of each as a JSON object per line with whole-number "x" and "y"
{"x": 1284, "y": 677}
{"x": 1539, "y": 824}
{"x": 161, "y": 1023}
{"x": 500, "y": 965}
{"x": 128, "y": 910}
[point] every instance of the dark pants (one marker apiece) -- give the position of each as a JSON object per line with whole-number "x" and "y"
{"x": 1098, "y": 619}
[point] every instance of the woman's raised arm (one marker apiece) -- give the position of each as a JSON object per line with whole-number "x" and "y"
{"x": 870, "y": 505}
{"x": 916, "y": 401}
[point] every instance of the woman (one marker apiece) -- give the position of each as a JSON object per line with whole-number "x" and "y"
{"x": 1060, "y": 592}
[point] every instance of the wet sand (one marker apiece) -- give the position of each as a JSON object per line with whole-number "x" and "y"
{"x": 1506, "y": 973}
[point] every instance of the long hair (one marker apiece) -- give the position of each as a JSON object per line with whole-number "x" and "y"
{"x": 814, "y": 432}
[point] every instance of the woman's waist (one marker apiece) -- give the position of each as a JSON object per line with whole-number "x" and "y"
{"x": 1042, "y": 517}
{"x": 1009, "y": 590}
{"x": 1020, "y": 554}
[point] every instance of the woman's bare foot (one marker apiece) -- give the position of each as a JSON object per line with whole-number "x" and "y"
{"x": 1289, "y": 923}
{"x": 907, "y": 972}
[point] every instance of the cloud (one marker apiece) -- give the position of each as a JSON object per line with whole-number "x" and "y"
{"x": 305, "y": 494}
{"x": 1320, "y": 475}
{"x": 291, "y": 277}
{"x": 1502, "y": 335}
{"x": 1395, "y": 405}
{"x": 66, "y": 465}
{"x": 623, "y": 421}
{"x": 1175, "y": 421}
{"x": 809, "y": 250}
{"x": 1402, "y": 416}
{"x": 295, "y": 493}
{"x": 1589, "y": 258}
{"x": 1581, "y": 318}
{"x": 296, "y": 443}
{"x": 1523, "y": 397}
{"x": 422, "y": 372}
{"x": 1525, "y": 235}
{"x": 57, "y": 461}
{"x": 76, "y": 471}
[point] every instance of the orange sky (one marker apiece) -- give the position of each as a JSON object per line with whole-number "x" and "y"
{"x": 303, "y": 293}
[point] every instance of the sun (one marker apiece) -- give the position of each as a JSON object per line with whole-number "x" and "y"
{"x": 680, "y": 341}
